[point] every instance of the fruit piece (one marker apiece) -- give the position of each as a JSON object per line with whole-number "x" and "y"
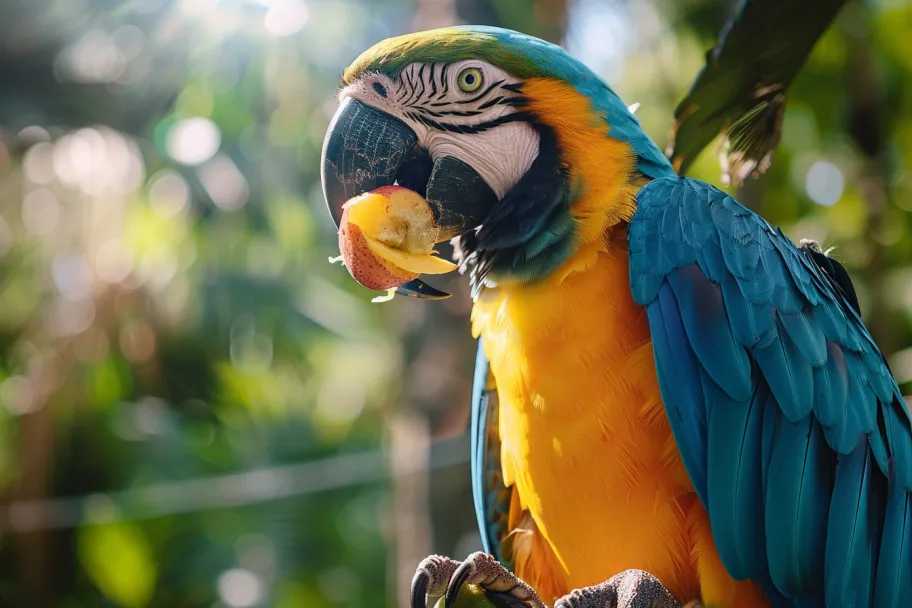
{"x": 364, "y": 266}
{"x": 422, "y": 264}
{"x": 387, "y": 238}
{"x": 395, "y": 216}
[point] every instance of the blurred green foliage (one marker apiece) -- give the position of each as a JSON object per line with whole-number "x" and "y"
{"x": 169, "y": 318}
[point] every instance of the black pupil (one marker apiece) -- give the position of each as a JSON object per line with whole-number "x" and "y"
{"x": 380, "y": 89}
{"x": 469, "y": 79}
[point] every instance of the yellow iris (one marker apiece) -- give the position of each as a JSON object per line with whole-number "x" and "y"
{"x": 470, "y": 80}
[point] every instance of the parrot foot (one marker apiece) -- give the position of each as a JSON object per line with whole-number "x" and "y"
{"x": 629, "y": 589}
{"x": 438, "y": 576}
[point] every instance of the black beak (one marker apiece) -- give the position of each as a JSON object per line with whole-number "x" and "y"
{"x": 366, "y": 148}
{"x": 363, "y": 150}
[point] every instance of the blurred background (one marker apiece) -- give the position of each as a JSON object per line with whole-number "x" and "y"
{"x": 196, "y": 408}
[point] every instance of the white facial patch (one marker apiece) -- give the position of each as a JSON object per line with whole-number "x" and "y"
{"x": 463, "y": 109}
{"x": 501, "y": 155}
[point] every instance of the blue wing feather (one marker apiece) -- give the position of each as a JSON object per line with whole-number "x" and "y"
{"x": 783, "y": 408}
{"x": 479, "y": 414}
{"x": 854, "y": 531}
{"x": 709, "y": 333}
{"x": 789, "y": 377}
{"x": 831, "y": 387}
{"x": 893, "y": 585}
{"x": 734, "y": 488}
{"x": 796, "y": 506}
{"x": 684, "y": 401}
{"x": 807, "y": 336}
{"x": 490, "y": 496}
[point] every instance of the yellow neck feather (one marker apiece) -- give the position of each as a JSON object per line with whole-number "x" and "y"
{"x": 602, "y": 169}
{"x": 601, "y": 166}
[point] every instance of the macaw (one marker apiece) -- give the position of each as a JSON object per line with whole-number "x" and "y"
{"x": 673, "y": 403}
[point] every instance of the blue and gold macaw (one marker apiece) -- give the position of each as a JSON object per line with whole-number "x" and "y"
{"x": 666, "y": 385}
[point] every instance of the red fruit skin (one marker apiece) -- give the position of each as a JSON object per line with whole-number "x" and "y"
{"x": 387, "y": 191}
{"x": 366, "y": 268}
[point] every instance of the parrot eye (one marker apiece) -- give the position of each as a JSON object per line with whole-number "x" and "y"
{"x": 470, "y": 80}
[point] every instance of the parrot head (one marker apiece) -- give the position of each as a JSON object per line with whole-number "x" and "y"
{"x": 524, "y": 155}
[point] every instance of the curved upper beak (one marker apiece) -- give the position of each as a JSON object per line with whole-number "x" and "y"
{"x": 363, "y": 150}
{"x": 366, "y": 148}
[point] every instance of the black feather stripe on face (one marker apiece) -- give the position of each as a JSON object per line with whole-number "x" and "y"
{"x": 424, "y": 100}
{"x": 469, "y": 129}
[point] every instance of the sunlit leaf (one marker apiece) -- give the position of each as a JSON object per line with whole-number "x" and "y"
{"x": 119, "y": 561}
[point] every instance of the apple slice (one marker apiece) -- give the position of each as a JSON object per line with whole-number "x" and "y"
{"x": 387, "y": 238}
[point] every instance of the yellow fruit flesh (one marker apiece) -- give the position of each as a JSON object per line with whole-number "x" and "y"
{"x": 400, "y": 230}
{"x": 422, "y": 264}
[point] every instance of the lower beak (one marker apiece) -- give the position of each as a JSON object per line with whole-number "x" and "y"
{"x": 366, "y": 148}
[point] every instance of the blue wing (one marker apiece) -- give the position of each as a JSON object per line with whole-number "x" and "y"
{"x": 491, "y": 497}
{"x": 791, "y": 426}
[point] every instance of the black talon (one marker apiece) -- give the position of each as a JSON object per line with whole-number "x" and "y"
{"x": 419, "y": 289}
{"x": 504, "y": 600}
{"x": 457, "y": 581}
{"x": 419, "y": 589}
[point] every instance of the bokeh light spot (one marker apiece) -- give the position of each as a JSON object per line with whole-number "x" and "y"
{"x": 97, "y": 160}
{"x": 137, "y": 341}
{"x": 150, "y": 415}
{"x": 73, "y": 276}
{"x": 69, "y": 318}
{"x": 193, "y": 141}
{"x": 224, "y": 183}
{"x": 32, "y": 135}
{"x": 285, "y": 17}
{"x": 240, "y": 588}
{"x": 40, "y": 211}
{"x": 340, "y": 401}
{"x": 824, "y": 183}
{"x": 158, "y": 266}
{"x": 95, "y": 58}
{"x": 130, "y": 40}
{"x": 169, "y": 193}
{"x": 17, "y": 395}
{"x": 114, "y": 261}
{"x": 37, "y": 163}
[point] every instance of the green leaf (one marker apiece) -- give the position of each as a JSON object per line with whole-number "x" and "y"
{"x": 741, "y": 90}
{"x": 118, "y": 559}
